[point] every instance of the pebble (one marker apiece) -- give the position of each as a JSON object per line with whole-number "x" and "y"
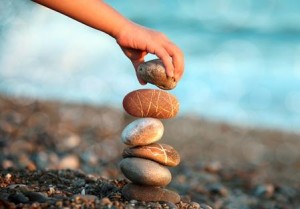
{"x": 204, "y": 206}
{"x": 51, "y": 190}
{"x": 155, "y": 205}
{"x": 7, "y": 164}
{"x": 171, "y": 205}
{"x": 71, "y": 141}
{"x": 133, "y": 202}
{"x": 154, "y": 72}
{"x": 142, "y": 132}
{"x": 105, "y": 201}
{"x": 195, "y": 205}
{"x": 265, "y": 190}
{"x": 161, "y": 153}
{"x": 8, "y": 176}
{"x": 21, "y": 187}
{"x": 186, "y": 198}
{"x": 69, "y": 162}
{"x": 35, "y": 196}
{"x": 151, "y": 103}
{"x": 146, "y": 172}
{"x": 218, "y": 189}
{"x": 85, "y": 198}
{"x": 149, "y": 193}
{"x": 18, "y": 198}
{"x": 213, "y": 167}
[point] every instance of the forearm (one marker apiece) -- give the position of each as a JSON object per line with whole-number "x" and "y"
{"x": 135, "y": 41}
{"x": 94, "y": 13}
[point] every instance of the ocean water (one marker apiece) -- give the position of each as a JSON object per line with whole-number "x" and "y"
{"x": 242, "y": 57}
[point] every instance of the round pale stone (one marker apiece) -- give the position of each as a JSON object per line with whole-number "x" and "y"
{"x": 145, "y": 172}
{"x": 154, "y": 72}
{"x": 151, "y": 103}
{"x": 142, "y": 132}
{"x": 149, "y": 193}
{"x": 161, "y": 153}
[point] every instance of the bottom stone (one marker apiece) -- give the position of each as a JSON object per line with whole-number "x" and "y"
{"x": 149, "y": 193}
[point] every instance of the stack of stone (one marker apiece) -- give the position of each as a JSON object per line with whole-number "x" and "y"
{"x": 144, "y": 161}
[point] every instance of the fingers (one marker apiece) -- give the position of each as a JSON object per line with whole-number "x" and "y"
{"x": 136, "y": 64}
{"x": 177, "y": 59}
{"x": 166, "y": 59}
{"x": 171, "y": 56}
{"x": 148, "y": 41}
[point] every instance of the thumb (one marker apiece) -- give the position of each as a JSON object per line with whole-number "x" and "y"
{"x": 136, "y": 64}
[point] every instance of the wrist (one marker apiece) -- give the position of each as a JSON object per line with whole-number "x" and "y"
{"x": 123, "y": 30}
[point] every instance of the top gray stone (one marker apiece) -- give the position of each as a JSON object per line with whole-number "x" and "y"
{"x": 154, "y": 72}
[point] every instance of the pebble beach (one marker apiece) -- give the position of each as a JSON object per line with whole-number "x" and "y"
{"x": 66, "y": 155}
{"x": 226, "y": 137}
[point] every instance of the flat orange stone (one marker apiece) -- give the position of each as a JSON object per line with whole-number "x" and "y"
{"x": 151, "y": 103}
{"x": 161, "y": 153}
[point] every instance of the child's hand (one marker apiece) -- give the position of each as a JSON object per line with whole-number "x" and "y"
{"x": 137, "y": 41}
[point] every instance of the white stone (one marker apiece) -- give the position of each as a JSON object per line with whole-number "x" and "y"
{"x": 142, "y": 131}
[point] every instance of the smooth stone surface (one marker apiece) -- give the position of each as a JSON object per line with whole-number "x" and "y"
{"x": 142, "y": 132}
{"x": 171, "y": 205}
{"x": 149, "y": 193}
{"x": 18, "y": 198}
{"x": 35, "y": 196}
{"x": 151, "y": 103}
{"x": 161, "y": 153}
{"x": 154, "y": 72}
{"x": 145, "y": 172}
{"x": 69, "y": 162}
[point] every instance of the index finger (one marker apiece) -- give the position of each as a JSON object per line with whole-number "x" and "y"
{"x": 177, "y": 59}
{"x": 162, "y": 53}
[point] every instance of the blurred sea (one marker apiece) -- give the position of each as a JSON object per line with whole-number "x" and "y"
{"x": 242, "y": 57}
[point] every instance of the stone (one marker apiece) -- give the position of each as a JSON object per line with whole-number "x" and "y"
{"x": 195, "y": 205}
{"x": 151, "y": 103}
{"x": 35, "y": 196}
{"x": 146, "y": 172}
{"x": 133, "y": 202}
{"x": 213, "y": 167}
{"x": 18, "y": 198}
{"x": 79, "y": 198}
{"x": 218, "y": 189}
{"x": 171, "y": 205}
{"x": 69, "y": 162}
{"x": 265, "y": 190}
{"x": 154, "y": 72}
{"x": 155, "y": 205}
{"x": 149, "y": 193}
{"x": 142, "y": 132}
{"x": 186, "y": 198}
{"x": 204, "y": 206}
{"x": 105, "y": 201}
{"x": 20, "y": 187}
{"x": 161, "y": 153}
{"x": 7, "y": 164}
